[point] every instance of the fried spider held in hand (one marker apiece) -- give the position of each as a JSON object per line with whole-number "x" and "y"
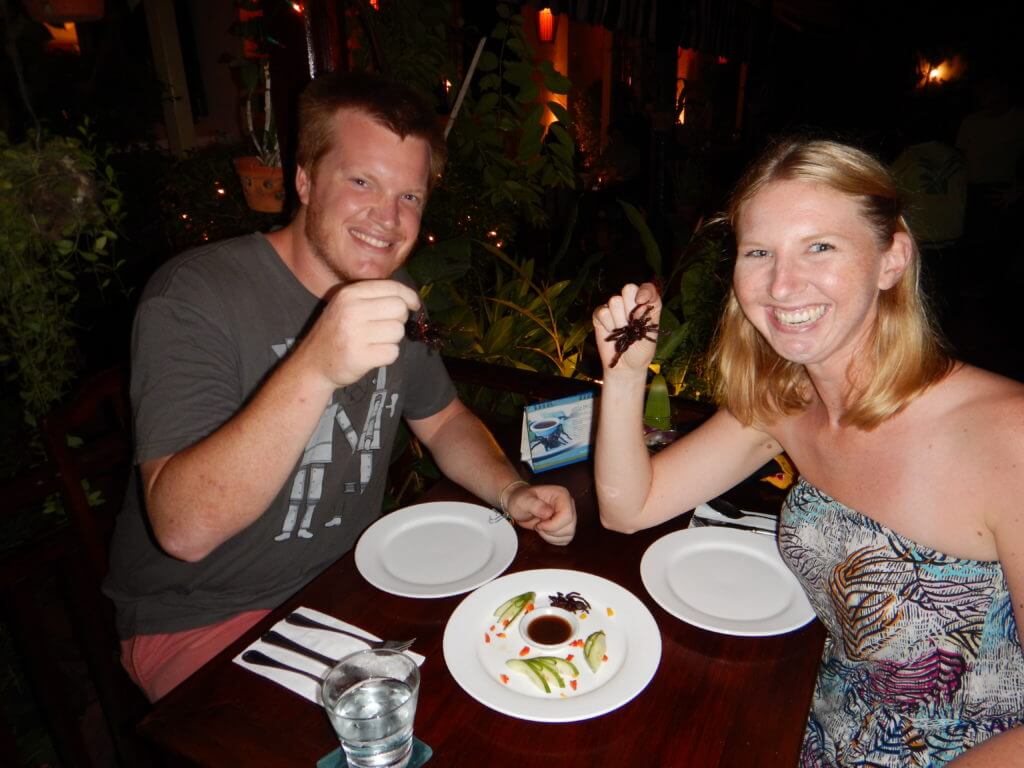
{"x": 636, "y": 329}
{"x": 420, "y": 329}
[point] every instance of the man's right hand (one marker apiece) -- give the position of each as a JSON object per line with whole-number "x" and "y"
{"x": 359, "y": 329}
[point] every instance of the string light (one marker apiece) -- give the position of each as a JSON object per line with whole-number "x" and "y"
{"x": 297, "y": 7}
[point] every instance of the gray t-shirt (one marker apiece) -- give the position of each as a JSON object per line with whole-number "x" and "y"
{"x": 210, "y": 326}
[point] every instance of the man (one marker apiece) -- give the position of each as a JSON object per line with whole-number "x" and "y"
{"x": 268, "y": 377}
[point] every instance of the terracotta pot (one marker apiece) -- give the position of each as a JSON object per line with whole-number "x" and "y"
{"x": 61, "y": 11}
{"x": 263, "y": 184}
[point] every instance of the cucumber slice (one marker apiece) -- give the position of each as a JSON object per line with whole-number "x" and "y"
{"x": 594, "y": 649}
{"x": 564, "y": 666}
{"x": 511, "y": 608}
{"x": 504, "y": 606}
{"x": 523, "y": 666}
{"x": 547, "y": 669}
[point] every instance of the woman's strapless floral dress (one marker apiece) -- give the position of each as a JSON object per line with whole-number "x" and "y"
{"x": 922, "y": 659}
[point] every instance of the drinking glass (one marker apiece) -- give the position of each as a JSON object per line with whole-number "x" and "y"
{"x": 370, "y": 698}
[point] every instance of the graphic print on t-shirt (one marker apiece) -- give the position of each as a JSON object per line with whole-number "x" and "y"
{"x": 307, "y": 485}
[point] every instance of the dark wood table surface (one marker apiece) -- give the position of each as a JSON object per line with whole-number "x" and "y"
{"x": 715, "y": 700}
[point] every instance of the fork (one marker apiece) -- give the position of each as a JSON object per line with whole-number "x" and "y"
{"x": 700, "y": 522}
{"x": 301, "y": 620}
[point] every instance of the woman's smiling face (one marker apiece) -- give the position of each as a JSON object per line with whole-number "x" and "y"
{"x": 809, "y": 269}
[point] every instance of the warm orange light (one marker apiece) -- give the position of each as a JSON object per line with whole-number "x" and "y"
{"x": 545, "y": 25}
{"x": 297, "y": 7}
{"x": 943, "y": 72}
{"x": 374, "y": 4}
{"x": 62, "y": 38}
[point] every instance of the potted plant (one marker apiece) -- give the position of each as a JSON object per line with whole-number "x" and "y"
{"x": 261, "y": 174}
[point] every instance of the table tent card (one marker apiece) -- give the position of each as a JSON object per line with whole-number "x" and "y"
{"x": 557, "y": 432}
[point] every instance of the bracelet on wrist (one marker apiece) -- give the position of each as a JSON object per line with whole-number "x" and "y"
{"x": 504, "y": 495}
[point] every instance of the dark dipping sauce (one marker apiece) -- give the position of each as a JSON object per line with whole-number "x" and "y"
{"x": 549, "y": 630}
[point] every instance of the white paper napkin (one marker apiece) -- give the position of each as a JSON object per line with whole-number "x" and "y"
{"x": 751, "y": 521}
{"x": 323, "y": 641}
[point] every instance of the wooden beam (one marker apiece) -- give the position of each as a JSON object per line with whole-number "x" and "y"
{"x": 170, "y": 71}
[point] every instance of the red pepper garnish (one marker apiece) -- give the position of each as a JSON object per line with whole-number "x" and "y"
{"x": 569, "y": 657}
{"x": 529, "y": 607}
{"x": 504, "y": 679}
{"x": 501, "y": 635}
{"x": 572, "y": 684}
{"x": 526, "y": 650}
{"x": 605, "y": 657}
{"x": 487, "y": 638}
{"x": 492, "y": 627}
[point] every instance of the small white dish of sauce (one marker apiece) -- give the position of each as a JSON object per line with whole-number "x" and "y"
{"x": 549, "y": 627}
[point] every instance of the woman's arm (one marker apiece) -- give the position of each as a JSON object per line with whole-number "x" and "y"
{"x": 634, "y": 490}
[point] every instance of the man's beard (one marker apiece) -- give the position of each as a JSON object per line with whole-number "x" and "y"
{"x": 320, "y": 243}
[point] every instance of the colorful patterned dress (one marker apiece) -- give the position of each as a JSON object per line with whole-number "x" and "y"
{"x": 922, "y": 658}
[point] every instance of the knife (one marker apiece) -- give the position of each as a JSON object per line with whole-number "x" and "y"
{"x": 276, "y": 638}
{"x": 253, "y": 656}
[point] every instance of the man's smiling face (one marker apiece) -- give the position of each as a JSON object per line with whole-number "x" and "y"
{"x": 364, "y": 200}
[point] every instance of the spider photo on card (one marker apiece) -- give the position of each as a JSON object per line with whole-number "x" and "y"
{"x": 556, "y": 438}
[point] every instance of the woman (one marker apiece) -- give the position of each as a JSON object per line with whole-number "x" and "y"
{"x": 906, "y": 526}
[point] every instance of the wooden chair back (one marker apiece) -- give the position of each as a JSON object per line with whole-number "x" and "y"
{"x": 89, "y": 441}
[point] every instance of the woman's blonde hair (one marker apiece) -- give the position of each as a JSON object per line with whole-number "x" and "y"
{"x": 904, "y": 354}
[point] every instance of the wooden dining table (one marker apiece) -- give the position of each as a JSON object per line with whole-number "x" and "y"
{"x": 715, "y": 699}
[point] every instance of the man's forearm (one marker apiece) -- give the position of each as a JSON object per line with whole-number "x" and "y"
{"x": 203, "y": 495}
{"x": 466, "y": 452}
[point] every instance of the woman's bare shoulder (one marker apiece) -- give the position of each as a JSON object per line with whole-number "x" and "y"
{"x": 986, "y": 408}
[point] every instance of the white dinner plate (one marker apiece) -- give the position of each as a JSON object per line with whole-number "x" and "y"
{"x": 437, "y": 549}
{"x": 476, "y": 654}
{"x": 724, "y": 580}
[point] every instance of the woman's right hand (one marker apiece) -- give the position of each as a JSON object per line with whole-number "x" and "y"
{"x": 615, "y": 315}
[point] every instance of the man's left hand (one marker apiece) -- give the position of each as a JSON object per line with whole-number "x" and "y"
{"x": 547, "y": 509}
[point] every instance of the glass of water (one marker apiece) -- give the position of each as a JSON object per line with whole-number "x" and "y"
{"x": 370, "y": 697}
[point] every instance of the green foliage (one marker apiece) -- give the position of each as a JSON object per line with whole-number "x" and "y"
{"x": 500, "y": 158}
{"x": 499, "y": 131}
{"x": 411, "y": 37}
{"x": 691, "y": 304}
{"x": 60, "y": 207}
{"x": 500, "y": 312}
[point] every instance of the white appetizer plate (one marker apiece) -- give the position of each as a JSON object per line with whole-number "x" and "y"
{"x": 476, "y": 654}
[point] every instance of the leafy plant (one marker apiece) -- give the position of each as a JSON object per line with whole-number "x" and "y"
{"x": 500, "y": 312}
{"x": 501, "y": 132}
{"x": 60, "y": 207}
{"x": 253, "y": 70}
{"x": 692, "y": 300}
